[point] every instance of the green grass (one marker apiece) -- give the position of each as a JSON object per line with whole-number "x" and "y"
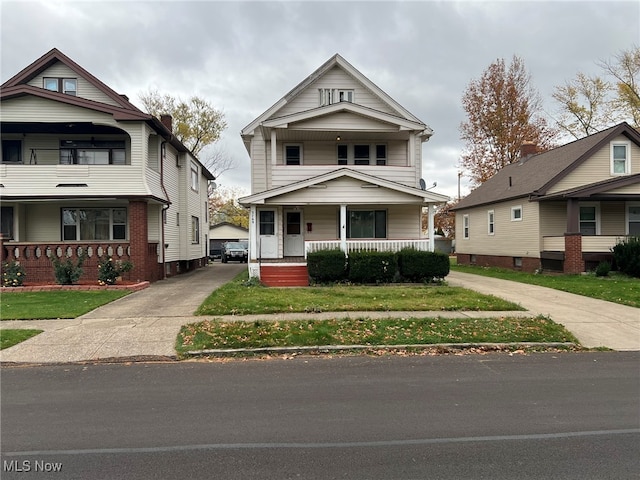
{"x": 364, "y": 331}
{"x": 56, "y": 304}
{"x": 616, "y": 288}
{"x": 235, "y": 298}
{"x": 11, "y": 337}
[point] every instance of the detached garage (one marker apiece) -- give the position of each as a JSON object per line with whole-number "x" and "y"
{"x": 224, "y": 232}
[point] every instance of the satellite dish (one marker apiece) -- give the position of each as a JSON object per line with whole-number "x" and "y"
{"x": 423, "y": 185}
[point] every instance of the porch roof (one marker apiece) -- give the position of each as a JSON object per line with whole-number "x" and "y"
{"x": 422, "y": 195}
{"x": 599, "y": 190}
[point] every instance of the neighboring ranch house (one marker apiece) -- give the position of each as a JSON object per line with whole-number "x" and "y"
{"x": 84, "y": 170}
{"x": 223, "y": 232}
{"x": 335, "y": 163}
{"x": 559, "y": 210}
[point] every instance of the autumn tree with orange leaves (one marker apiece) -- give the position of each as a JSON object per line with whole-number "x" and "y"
{"x": 503, "y": 112}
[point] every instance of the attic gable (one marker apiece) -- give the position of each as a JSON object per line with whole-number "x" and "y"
{"x": 55, "y": 62}
{"x": 306, "y": 94}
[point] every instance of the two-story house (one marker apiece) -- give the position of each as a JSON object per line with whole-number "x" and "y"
{"x": 560, "y": 210}
{"x": 335, "y": 163}
{"x": 84, "y": 171}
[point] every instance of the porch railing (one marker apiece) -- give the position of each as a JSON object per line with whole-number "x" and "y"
{"x": 590, "y": 243}
{"x": 367, "y": 245}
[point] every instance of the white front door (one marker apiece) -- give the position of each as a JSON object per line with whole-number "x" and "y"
{"x": 293, "y": 236}
{"x": 267, "y": 238}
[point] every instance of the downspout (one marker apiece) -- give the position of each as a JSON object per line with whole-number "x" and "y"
{"x": 164, "y": 208}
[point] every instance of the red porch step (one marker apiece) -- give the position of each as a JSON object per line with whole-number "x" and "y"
{"x": 284, "y": 275}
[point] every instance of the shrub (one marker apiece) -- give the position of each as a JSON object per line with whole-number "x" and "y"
{"x": 326, "y": 266}
{"x": 419, "y": 266}
{"x": 109, "y": 270}
{"x": 372, "y": 267}
{"x": 67, "y": 272}
{"x": 626, "y": 254}
{"x": 12, "y": 274}
{"x": 603, "y": 269}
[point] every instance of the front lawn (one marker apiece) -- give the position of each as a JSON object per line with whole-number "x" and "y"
{"x": 365, "y": 331}
{"x": 11, "y": 337}
{"x": 55, "y": 304}
{"x": 235, "y": 298}
{"x": 616, "y": 288}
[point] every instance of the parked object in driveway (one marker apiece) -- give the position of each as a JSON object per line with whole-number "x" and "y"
{"x": 235, "y": 251}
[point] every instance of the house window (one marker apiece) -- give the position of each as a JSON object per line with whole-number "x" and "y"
{"x": 633, "y": 219}
{"x": 11, "y": 151}
{"x": 517, "y": 262}
{"x": 367, "y": 224}
{"x": 361, "y": 154}
{"x": 620, "y": 164}
{"x": 195, "y": 230}
{"x": 267, "y": 222}
{"x": 94, "y": 224}
{"x": 194, "y": 177}
{"x": 490, "y": 222}
{"x": 381, "y": 154}
{"x": 92, "y": 152}
{"x": 292, "y": 154}
{"x": 516, "y": 213}
{"x": 343, "y": 154}
{"x": 63, "y": 85}
{"x": 465, "y": 226}
{"x": 6, "y": 222}
{"x": 330, "y": 95}
{"x": 588, "y": 220}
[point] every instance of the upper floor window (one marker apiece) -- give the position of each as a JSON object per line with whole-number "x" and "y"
{"x": 343, "y": 154}
{"x": 620, "y": 161}
{"x": 63, "y": 85}
{"x": 516, "y": 213}
{"x": 293, "y": 154}
{"x": 465, "y": 226}
{"x": 94, "y": 223}
{"x": 11, "y": 151}
{"x": 361, "y": 154}
{"x": 335, "y": 95}
{"x": 381, "y": 154}
{"x": 92, "y": 152}
{"x": 194, "y": 177}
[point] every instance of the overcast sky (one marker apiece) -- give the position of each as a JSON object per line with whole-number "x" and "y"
{"x": 244, "y": 56}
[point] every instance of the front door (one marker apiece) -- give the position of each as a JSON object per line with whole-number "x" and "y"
{"x": 267, "y": 238}
{"x": 293, "y": 237}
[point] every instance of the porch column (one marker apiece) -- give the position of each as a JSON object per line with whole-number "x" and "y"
{"x": 253, "y": 233}
{"x": 274, "y": 150}
{"x": 343, "y": 228}
{"x": 573, "y": 262}
{"x": 431, "y": 227}
{"x": 139, "y": 240}
{"x": 411, "y": 150}
{"x": 573, "y": 216}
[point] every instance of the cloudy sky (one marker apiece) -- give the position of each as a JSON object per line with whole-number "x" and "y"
{"x": 244, "y": 56}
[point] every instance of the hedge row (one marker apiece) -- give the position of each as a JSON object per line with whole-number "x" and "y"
{"x": 627, "y": 256}
{"x": 407, "y": 265}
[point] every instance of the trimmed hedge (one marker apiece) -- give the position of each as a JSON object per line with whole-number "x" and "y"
{"x": 418, "y": 266}
{"x": 372, "y": 267}
{"x": 627, "y": 256}
{"x": 327, "y": 266}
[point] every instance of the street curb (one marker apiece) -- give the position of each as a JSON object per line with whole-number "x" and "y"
{"x": 223, "y": 352}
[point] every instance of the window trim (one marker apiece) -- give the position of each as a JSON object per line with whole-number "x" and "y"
{"x": 194, "y": 176}
{"x": 514, "y": 209}
{"x": 284, "y": 154}
{"x": 329, "y": 96}
{"x": 78, "y": 229}
{"x": 362, "y": 160}
{"x": 627, "y": 160}
{"x": 466, "y": 223}
{"x": 627, "y": 218}
{"x": 596, "y": 206}
{"x": 60, "y": 85}
{"x": 375, "y": 225}
{"x": 491, "y": 222}
{"x": 195, "y": 230}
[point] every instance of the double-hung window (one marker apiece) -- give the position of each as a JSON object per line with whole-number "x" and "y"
{"x": 361, "y": 154}
{"x": 293, "y": 154}
{"x": 194, "y": 177}
{"x": 633, "y": 219}
{"x": 588, "y": 219}
{"x": 491, "y": 228}
{"x": 6, "y": 222}
{"x": 195, "y": 230}
{"x": 381, "y": 154}
{"x": 94, "y": 224}
{"x": 92, "y": 152}
{"x": 465, "y": 226}
{"x": 343, "y": 154}
{"x": 620, "y": 162}
{"x": 367, "y": 224}
{"x": 11, "y": 151}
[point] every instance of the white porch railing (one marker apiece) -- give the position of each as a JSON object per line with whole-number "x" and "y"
{"x": 590, "y": 243}
{"x": 368, "y": 245}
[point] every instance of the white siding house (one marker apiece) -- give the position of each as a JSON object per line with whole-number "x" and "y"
{"x": 84, "y": 170}
{"x": 335, "y": 163}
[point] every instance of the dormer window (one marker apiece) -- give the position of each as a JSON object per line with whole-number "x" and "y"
{"x": 620, "y": 164}
{"x": 62, "y": 85}
{"x": 335, "y": 95}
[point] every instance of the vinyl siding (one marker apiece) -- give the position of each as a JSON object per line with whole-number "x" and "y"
{"x": 518, "y": 239}
{"x": 326, "y": 153}
{"x": 172, "y": 230}
{"x": 553, "y": 219}
{"x": 597, "y": 168}
{"x": 258, "y": 163}
{"x": 344, "y": 121}
{"x": 227, "y": 231}
{"x": 335, "y": 78}
{"x": 85, "y": 89}
{"x": 612, "y": 218}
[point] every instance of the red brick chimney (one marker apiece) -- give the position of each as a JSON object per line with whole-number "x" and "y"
{"x": 167, "y": 121}
{"x": 528, "y": 148}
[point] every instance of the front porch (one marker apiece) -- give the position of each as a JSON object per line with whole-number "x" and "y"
{"x": 575, "y": 253}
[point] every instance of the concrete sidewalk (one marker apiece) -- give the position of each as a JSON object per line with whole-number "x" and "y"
{"x": 146, "y": 323}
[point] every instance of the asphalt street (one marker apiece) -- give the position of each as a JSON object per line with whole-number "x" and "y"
{"x": 497, "y": 416}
